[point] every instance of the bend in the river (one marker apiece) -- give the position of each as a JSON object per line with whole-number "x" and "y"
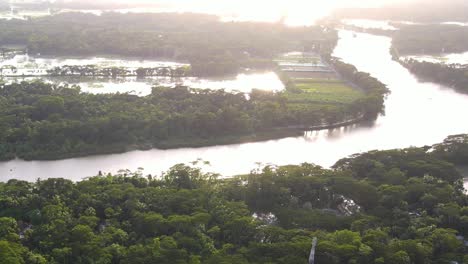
{"x": 417, "y": 114}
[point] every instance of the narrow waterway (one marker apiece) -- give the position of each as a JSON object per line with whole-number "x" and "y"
{"x": 417, "y": 114}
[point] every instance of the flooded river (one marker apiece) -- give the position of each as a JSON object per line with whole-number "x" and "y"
{"x": 417, "y": 114}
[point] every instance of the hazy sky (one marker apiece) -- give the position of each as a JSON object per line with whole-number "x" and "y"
{"x": 340, "y": 3}
{"x": 293, "y": 12}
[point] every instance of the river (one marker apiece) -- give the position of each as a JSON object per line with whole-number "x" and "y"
{"x": 417, "y": 114}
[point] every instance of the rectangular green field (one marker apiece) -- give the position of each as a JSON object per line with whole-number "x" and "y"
{"x": 323, "y": 91}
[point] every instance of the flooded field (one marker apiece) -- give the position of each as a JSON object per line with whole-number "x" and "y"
{"x": 20, "y": 66}
{"x": 452, "y": 58}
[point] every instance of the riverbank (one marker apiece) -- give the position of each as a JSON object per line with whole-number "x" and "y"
{"x": 168, "y": 144}
{"x": 450, "y": 75}
{"x": 453, "y": 76}
{"x": 194, "y": 143}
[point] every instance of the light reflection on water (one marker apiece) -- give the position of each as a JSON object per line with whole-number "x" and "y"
{"x": 418, "y": 114}
{"x": 27, "y": 65}
{"x": 243, "y": 82}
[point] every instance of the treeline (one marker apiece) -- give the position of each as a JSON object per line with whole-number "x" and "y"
{"x": 210, "y": 46}
{"x": 386, "y": 207}
{"x": 113, "y": 72}
{"x": 453, "y": 75}
{"x": 430, "y": 39}
{"x": 375, "y": 91}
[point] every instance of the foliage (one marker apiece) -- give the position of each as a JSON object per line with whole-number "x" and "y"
{"x": 455, "y": 75}
{"x": 373, "y": 102}
{"x": 454, "y": 149}
{"x": 267, "y": 216}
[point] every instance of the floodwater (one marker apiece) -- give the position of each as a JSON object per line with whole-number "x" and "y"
{"x": 244, "y": 82}
{"x": 21, "y": 65}
{"x": 36, "y": 66}
{"x": 451, "y": 58}
{"x": 417, "y": 114}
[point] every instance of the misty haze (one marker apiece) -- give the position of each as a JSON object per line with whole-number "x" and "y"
{"x": 220, "y": 131}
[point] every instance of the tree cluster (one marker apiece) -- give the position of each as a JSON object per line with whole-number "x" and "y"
{"x": 453, "y": 75}
{"x": 114, "y": 72}
{"x": 375, "y": 90}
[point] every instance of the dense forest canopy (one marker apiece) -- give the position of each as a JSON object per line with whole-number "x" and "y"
{"x": 211, "y": 46}
{"x": 389, "y": 207}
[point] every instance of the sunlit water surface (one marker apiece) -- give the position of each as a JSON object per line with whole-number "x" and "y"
{"x": 244, "y": 82}
{"x": 417, "y": 114}
{"x": 25, "y": 65}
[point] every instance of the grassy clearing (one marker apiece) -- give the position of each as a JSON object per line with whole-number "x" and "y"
{"x": 314, "y": 89}
{"x": 323, "y": 91}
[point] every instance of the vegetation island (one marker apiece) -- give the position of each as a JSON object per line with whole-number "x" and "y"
{"x": 46, "y": 121}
